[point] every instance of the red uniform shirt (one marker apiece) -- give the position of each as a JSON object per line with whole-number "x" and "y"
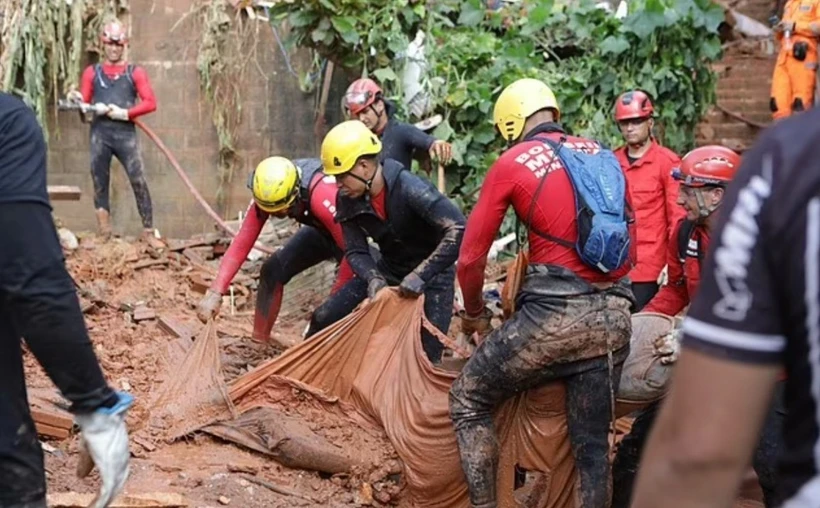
{"x": 654, "y": 196}
{"x": 683, "y": 277}
{"x": 147, "y": 103}
{"x": 513, "y": 180}
{"x": 322, "y": 206}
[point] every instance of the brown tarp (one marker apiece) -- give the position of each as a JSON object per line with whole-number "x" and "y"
{"x": 373, "y": 362}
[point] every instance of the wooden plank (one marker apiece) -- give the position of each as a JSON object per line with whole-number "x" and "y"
{"x": 150, "y": 500}
{"x": 143, "y": 313}
{"x": 145, "y": 263}
{"x": 174, "y": 328}
{"x": 64, "y": 193}
{"x": 51, "y": 431}
{"x": 181, "y": 245}
{"x": 53, "y": 418}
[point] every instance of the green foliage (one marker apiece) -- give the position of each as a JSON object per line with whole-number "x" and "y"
{"x": 41, "y": 46}
{"x": 346, "y": 30}
{"x": 587, "y": 56}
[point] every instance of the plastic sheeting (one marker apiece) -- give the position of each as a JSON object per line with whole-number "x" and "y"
{"x": 373, "y": 362}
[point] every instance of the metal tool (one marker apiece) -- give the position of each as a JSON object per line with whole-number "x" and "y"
{"x": 98, "y": 109}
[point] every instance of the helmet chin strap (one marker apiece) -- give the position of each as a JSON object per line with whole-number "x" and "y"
{"x": 368, "y": 183}
{"x": 704, "y": 211}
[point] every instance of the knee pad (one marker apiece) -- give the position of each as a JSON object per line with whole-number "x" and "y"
{"x": 797, "y": 105}
{"x": 772, "y": 105}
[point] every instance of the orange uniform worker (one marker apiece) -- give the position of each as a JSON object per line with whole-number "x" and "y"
{"x": 648, "y": 168}
{"x": 795, "y": 73}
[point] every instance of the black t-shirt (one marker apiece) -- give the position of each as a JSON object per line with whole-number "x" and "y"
{"x": 22, "y": 154}
{"x": 759, "y": 296}
{"x": 400, "y": 140}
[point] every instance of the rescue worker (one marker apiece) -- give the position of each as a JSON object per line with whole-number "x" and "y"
{"x": 756, "y": 312}
{"x": 795, "y": 72}
{"x": 38, "y": 303}
{"x": 417, "y": 229}
{"x": 118, "y": 84}
{"x": 298, "y": 190}
{"x": 364, "y": 101}
{"x": 704, "y": 174}
{"x": 648, "y": 168}
{"x": 569, "y": 317}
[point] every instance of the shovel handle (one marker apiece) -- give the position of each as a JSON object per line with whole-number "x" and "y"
{"x": 442, "y": 186}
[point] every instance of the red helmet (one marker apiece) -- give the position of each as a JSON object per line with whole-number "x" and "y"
{"x": 707, "y": 165}
{"x": 361, "y": 94}
{"x": 634, "y": 104}
{"x": 114, "y": 32}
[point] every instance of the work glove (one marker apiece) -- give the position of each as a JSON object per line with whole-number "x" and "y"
{"x": 375, "y": 285}
{"x": 74, "y": 96}
{"x": 476, "y": 324}
{"x": 412, "y": 286}
{"x": 667, "y": 347}
{"x": 104, "y": 443}
{"x": 117, "y": 113}
{"x": 209, "y": 305}
{"x": 441, "y": 151}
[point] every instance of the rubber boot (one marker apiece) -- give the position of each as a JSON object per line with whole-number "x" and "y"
{"x": 103, "y": 223}
{"x": 153, "y": 242}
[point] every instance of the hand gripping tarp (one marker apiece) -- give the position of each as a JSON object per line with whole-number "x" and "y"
{"x": 373, "y": 361}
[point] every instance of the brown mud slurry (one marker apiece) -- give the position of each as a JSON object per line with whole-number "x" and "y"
{"x": 134, "y": 355}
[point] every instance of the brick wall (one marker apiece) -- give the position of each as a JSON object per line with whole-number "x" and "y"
{"x": 278, "y": 118}
{"x": 745, "y": 77}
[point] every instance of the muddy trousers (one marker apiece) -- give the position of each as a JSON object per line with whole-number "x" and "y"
{"x": 545, "y": 340}
{"x": 307, "y": 248}
{"x": 120, "y": 143}
{"x": 38, "y": 302}
{"x": 625, "y": 466}
{"x": 438, "y": 306}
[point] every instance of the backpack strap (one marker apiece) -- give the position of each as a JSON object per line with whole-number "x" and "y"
{"x": 98, "y": 75}
{"x": 555, "y": 149}
{"x": 685, "y": 233}
{"x": 129, "y": 73}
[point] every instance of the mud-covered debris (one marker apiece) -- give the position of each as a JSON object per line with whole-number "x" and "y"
{"x": 143, "y": 313}
{"x": 365, "y": 495}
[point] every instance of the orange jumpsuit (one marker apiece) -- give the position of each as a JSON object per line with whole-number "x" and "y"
{"x": 794, "y": 80}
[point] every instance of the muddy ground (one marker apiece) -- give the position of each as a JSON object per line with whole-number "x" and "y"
{"x": 136, "y": 303}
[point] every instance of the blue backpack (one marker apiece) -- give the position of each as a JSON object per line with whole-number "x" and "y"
{"x": 602, "y": 213}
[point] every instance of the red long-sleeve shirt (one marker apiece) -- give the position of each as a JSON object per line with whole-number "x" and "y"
{"x": 513, "y": 180}
{"x": 654, "y": 196}
{"x": 683, "y": 277}
{"x": 322, "y": 206}
{"x": 147, "y": 103}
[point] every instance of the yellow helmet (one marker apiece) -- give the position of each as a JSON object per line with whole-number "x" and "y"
{"x": 345, "y": 143}
{"x": 275, "y": 184}
{"x": 517, "y": 102}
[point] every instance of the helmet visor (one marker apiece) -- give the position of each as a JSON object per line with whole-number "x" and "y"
{"x": 357, "y": 101}
{"x": 695, "y": 181}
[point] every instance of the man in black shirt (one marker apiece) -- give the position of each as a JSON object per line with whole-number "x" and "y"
{"x": 417, "y": 229}
{"x": 757, "y": 311}
{"x": 402, "y": 142}
{"x": 38, "y": 303}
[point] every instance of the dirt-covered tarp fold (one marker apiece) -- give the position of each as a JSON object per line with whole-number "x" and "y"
{"x": 372, "y": 361}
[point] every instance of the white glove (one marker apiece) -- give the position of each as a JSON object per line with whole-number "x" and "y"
{"x": 105, "y": 439}
{"x": 117, "y": 113}
{"x": 74, "y": 96}
{"x": 667, "y": 347}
